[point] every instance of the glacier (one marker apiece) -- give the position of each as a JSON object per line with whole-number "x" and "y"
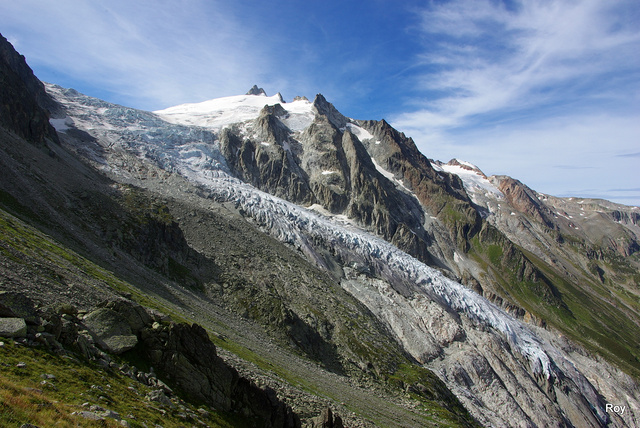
{"x": 184, "y": 140}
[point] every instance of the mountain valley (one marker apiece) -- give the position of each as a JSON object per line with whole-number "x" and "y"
{"x": 328, "y": 261}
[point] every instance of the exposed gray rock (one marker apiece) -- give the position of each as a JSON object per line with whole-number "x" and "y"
{"x": 115, "y": 326}
{"x": 92, "y": 416}
{"x": 327, "y": 419}
{"x": 132, "y": 313}
{"x": 18, "y": 305}
{"x": 22, "y": 98}
{"x": 159, "y": 396}
{"x": 13, "y": 327}
{"x": 108, "y": 328}
{"x": 256, "y": 91}
{"x": 325, "y": 108}
{"x": 111, "y": 414}
{"x": 119, "y": 344}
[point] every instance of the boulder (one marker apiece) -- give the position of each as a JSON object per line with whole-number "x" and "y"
{"x": 110, "y": 330}
{"x": 119, "y": 344}
{"x": 327, "y": 420}
{"x": 14, "y": 304}
{"x": 159, "y": 396}
{"x": 92, "y": 416}
{"x": 132, "y": 313}
{"x": 13, "y": 327}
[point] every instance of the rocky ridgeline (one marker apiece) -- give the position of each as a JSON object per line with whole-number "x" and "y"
{"x": 181, "y": 356}
{"x": 23, "y": 100}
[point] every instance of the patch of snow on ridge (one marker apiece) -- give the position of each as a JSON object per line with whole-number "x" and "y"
{"x": 389, "y": 175}
{"x": 300, "y": 115}
{"x": 474, "y": 181}
{"x": 359, "y": 132}
{"x": 61, "y": 125}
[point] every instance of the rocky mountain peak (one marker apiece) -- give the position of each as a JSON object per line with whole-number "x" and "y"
{"x": 256, "y": 91}
{"x": 275, "y": 109}
{"x": 325, "y": 108}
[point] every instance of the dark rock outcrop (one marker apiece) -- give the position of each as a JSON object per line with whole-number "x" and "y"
{"x": 327, "y": 420}
{"x": 256, "y": 91}
{"x": 23, "y": 100}
{"x": 325, "y": 108}
{"x": 187, "y": 359}
{"x": 13, "y": 304}
{"x": 182, "y": 354}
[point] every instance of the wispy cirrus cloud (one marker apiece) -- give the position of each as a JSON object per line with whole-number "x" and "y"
{"x": 150, "y": 54}
{"x": 547, "y": 91}
{"x": 482, "y": 57}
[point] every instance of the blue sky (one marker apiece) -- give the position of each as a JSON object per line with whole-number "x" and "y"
{"x": 547, "y": 92}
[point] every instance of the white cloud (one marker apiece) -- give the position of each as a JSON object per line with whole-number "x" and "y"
{"x": 589, "y": 156}
{"x": 150, "y": 53}
{"x": 485, "y": 58}
{"x": 531, "y": 89}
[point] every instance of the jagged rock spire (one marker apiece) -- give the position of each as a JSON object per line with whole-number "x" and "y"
{"x": 256, "y": 91}
{"x": 324, "y": 107}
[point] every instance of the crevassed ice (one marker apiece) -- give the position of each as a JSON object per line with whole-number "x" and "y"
{"x": 184, "y": 150}
{"x": 299, "y": 227}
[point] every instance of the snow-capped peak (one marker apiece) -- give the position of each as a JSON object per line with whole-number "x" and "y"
{"x": 221, "y": 112}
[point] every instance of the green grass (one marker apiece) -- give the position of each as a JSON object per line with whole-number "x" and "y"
{"x": 25, "y": 397}
{"x": 495, "y": 254}
{"x": 436, "y": 400}
{"x": 584, "y": 313}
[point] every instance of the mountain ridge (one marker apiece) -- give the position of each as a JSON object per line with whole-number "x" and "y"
{"x": 331, "y": 143}
{"x": 348, "y": 288}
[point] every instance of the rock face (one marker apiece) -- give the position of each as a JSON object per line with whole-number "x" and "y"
{"x": 327, "y": 420}
{"x": 22, "y": 98}
{"x": 185, "y": 356}
{"x": 13, "y": 327}
{"x": 256, "y": 91}
{"x": 523, "y": 199}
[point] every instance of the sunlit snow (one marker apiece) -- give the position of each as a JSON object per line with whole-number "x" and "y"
{"x": 194, "y": 153}
{"x": 218, "y": 113}
{"x": 474, "y": 182}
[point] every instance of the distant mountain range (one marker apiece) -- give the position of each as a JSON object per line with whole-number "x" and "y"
{"x": 329, "y": 260}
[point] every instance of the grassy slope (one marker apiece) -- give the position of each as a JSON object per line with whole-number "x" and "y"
{"x": 589, "y": 314}
{"x": 27, "y": 397}
{"x": 23, "y": 246}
